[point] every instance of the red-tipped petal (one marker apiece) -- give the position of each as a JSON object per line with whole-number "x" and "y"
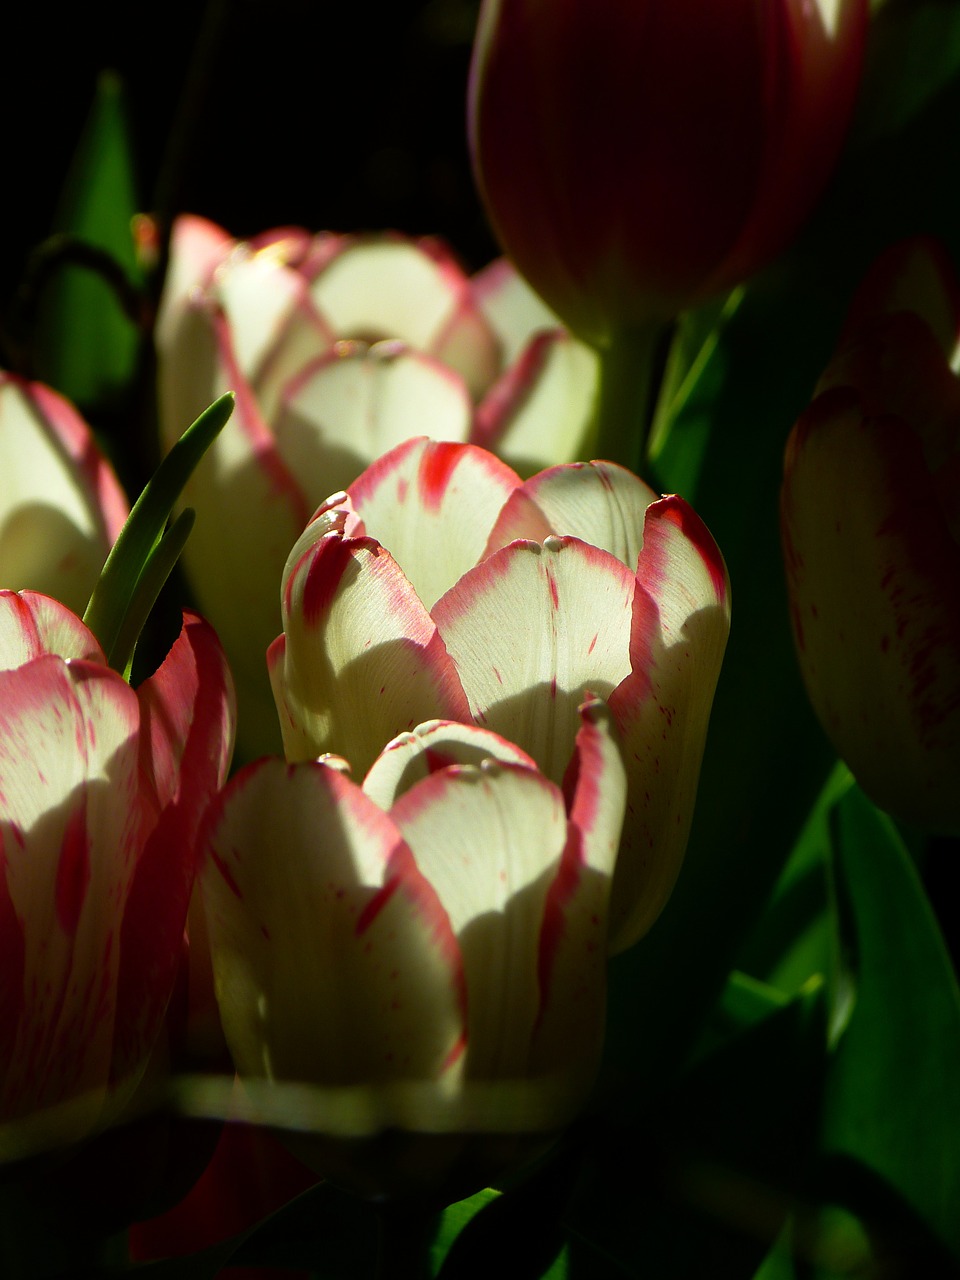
{"x": 681, "y": 618}
{"x": 335, "y": 963}
{"x": 362, "y": 659}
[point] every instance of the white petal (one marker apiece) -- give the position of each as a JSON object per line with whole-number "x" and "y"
{"x": 598, "y": 502}
{"x": 489, "y": 840}
{"x": 434, "y": 745}
{"x": 433, "y": 505}
{"x": 334, "y": 961}
{"x": 354, "y": 404}
{"x": 542, "y": 409}
{"x": 532, "y": 631}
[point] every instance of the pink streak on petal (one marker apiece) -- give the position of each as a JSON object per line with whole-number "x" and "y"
{"x": 437, "y": 466}
{"x": 689, "y": 523}
{"x": 332, "y": 556}
{"x": 73, "y": 870}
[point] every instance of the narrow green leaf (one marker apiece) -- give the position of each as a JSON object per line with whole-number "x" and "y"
{"x": 893, "y": 1090}
{"x": 139, "y": 562}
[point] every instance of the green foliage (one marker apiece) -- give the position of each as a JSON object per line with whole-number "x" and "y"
{"x": 88, "y": 344}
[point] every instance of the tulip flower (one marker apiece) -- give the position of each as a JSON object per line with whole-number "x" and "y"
{"x": 442, "y": 585}
{"x": 339, "y": 347}
{"x": 870, "y": 512}
{"x": 637, "y": 156}
{"x": 101, "y": 790}
{"x": 427, "y": 950}
{"x": 61, "y": 506}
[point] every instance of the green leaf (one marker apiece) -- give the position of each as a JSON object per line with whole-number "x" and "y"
{"x": 87, "y": 344}
{"x": 892, "y": 1101}
{"x": 144, "y": 554}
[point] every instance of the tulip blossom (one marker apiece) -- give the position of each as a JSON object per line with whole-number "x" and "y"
{"x": 637, "y": 156}
{"x": 101, "y": 790}
{"x": 427, "y": 950}
{"x": 871, "y": 533}
{"x": 442, "y": 585}
{"x": 338, "y": 348}
{"x": 61, "y": 506}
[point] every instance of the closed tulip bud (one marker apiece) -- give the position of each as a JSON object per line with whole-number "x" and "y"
{"x": 638, "y": 156}
{"x": 870, "y": 512}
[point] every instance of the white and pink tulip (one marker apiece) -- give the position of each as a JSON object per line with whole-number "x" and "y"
{"x": 101, "y": 791}
{"x": 441, "y": 585}
{"x": 338, "y": 348}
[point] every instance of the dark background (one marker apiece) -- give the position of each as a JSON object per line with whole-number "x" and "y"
{"x": 330, "y": 116}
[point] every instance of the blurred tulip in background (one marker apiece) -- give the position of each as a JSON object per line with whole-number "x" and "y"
{"x": 338, "y": 348}
{"x": 637, "y": 157}
{"x": 871, "y": 534}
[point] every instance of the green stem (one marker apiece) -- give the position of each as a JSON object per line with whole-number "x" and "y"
{"x": 630, "y": 370}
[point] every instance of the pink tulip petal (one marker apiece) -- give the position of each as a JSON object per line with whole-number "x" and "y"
{"x": 32, "y": 625}
{"x": 433, "y": 504}
{"x": 681, "y": 619}
{"x": 598, "y": 502}
{"x": 912, "y": 275}
{"x": 349, "y": 407}
{"x": 394, "y": 288}
{"x": 71, "y": 829}
{"x": 543, "y": 406}
{"x": 61, "y": 506}
{"x": 573, "y": 940}
{"x": 335, "y": 961}
{"x": 188, "y": 716}
{"x": 434, "y": 745}
{"x": 489, "y": 840}
{"x": 250, "y": 510}
{"x": 361, "y": 659}
{"x": 303, "y": 337}
{"x": 534, "y": 629}
{"x": 897, "y": 366}
{"x": 512, "y": 309}
{"x": 197, "y": 247}
{"x": 883, "y": 565}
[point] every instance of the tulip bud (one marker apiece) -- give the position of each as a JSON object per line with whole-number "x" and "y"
{"x": 870, "y": 512}
{"x": 637, "y": 156}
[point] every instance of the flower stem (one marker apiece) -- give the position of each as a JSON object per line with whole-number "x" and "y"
{"x": 630, "y": 371}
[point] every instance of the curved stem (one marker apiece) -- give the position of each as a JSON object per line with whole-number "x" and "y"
{"x": 630, "y": 370}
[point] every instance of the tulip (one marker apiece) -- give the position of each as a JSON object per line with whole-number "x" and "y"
{"x": 506, "y": 603}
{"x": 425, "y": 951}
{"x": 61, "y": 506}
{"x": 339, "y": 347}
{"x": 638, "y": 156}
{"x": 870, "y": 512}
{"x": 101, "y": 791}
